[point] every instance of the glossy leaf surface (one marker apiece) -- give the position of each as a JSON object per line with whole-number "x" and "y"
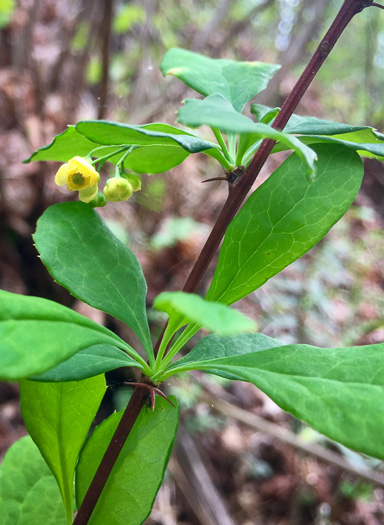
{"x": 300, "y": 125}
{"x": 238, "y": 82}
{"x": 160, "y": 147}
{"x": 369, "y": 149}
{"x": 137, "y": 475}
{"x": 37, "y": 334}
{"x": 89, "y": 362}
{"x": 364, "y": 139}
{"x": 217, "y": 112}
{"x": 29, "y": 494}
{"x": 65, "y": 146}
{"x": 58, "y": 417}
{"x": 192, "y": 308}
{"x": 106, "y": 132}
{"x": 155, "y": 159}
{"x": 83, "y": 255}
{"x": 283, "y": 219}
{"x": 215, "y": 347}
{"x": 338, "y": 391}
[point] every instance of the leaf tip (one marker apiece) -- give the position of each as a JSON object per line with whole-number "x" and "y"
{"x": 176, "y": 71}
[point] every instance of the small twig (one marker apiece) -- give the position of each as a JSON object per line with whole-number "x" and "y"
{"x": 152, "y": 390}
{"x": 190, "y": 470}
{"x": 22, "y": 48}
{"x": 286, "y": 436}
{"x": 377, "y": 5}
{"x": 106, "y": 23}
{"x": 236, "y": 28}
{"x": 201, "y": 38}
{"x": 215, "y": 178}
{"x": 79, "y": 65}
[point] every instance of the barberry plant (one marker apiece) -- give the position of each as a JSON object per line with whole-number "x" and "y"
{"x": 59, "y": 357}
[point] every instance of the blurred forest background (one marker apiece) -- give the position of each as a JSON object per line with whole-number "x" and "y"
{"x": 240, "y": 461}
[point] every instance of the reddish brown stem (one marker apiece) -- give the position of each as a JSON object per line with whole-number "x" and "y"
{"x": 122, "y": 431}
{"x": 153, "y": 391}
{"x": 231, "y": 206}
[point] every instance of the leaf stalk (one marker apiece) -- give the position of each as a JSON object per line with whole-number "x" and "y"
{"x": 222, "y": 144}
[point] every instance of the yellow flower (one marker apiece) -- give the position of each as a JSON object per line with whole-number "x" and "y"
{"x": 78, "y": 174}
{"x": 117, "y": 189}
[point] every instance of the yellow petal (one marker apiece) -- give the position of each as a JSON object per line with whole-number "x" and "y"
{"x": 83, "y": 166}
{"x": 61, "y": 175}
{"x": 88, "y": 194}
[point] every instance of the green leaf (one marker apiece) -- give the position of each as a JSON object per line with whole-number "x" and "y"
{"x": 364, "y": 139}
{"x": 29, "y": 494}
{"x": 283, "y": 219}
{"x": 58, "y": 417}
{"x": 89, "y": 362}
{"x": 137, "y": 475}
{"x": 338, "y": 391}
{"x": 192, "y": 308}
{"x": 37, "y": 334}
{"x": 217, "y": 112}
{"x": 65, "y": 146}
{"x": 155, "y": 159}
{"x": 371, "y": 149}
{"x": 71, "y": 143}
{"x": 157, "y": 134}
{"x": 309, "y": 125}
{"x": 83, "y": 255}
{"x": 215, "y": 347}
{"x": 238, "y": 82}
{"x": 160, "y": 147}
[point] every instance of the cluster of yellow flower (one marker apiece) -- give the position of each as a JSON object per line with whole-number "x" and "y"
{"x": 78, "y": 174}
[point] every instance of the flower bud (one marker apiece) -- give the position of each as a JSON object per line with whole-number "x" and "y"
{"x": 133, "y": 180}
{"x": 117, "y": 189}
{"x": 99, "y": 201}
